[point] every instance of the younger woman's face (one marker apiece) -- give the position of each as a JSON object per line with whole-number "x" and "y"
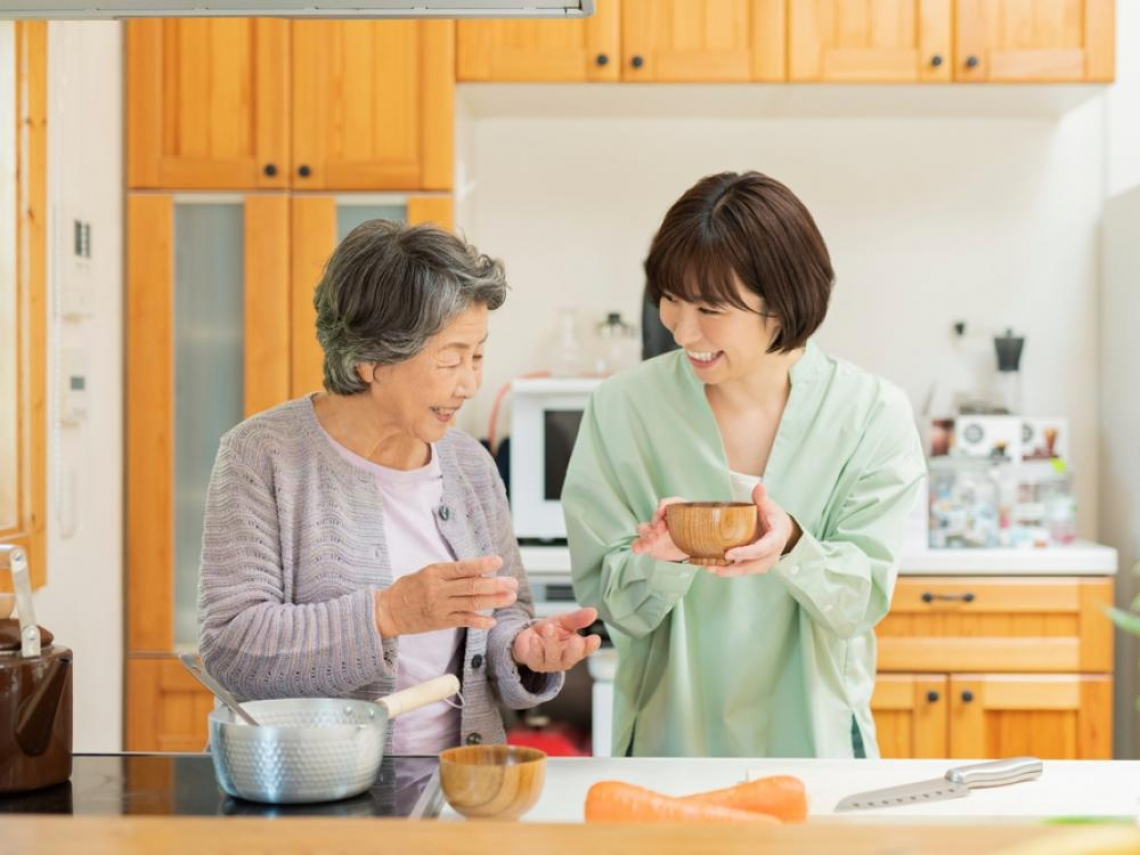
{"x": 721, "y": 342}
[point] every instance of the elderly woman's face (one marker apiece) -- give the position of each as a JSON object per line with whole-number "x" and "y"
{"x": 424, "y": 393}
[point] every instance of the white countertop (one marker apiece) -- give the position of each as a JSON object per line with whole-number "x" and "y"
{"x": 1066, "y": 788}
{"x": 551, "y": 564}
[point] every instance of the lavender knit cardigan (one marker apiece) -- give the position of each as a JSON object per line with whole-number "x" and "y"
{"x": 293, "y": 553}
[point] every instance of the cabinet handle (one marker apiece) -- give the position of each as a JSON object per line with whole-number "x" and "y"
{"x": 967, "y": 696}
{"x": 967, "y": 597}
{"x": 971, "y": 61}
{"x": 270, "y": 169}
{"x": 602, "y": 59}
{"x": 936, "y": 60}
{"x": 637, "y": 61}
{"x": 932, "y": 696}
{"x": 304, "y": 171}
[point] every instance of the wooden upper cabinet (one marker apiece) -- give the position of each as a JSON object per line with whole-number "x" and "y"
{"x": 1035, "y": 40}
{"x": 869, "y": 40}
{"x": 208, "y": 103}
{"x": 703, "y": 40}
{"x": 373, "y": 105}
{"x": 535, "y": 51}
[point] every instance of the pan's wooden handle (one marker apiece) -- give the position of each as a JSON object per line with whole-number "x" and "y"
{"x": 421, "y": 695}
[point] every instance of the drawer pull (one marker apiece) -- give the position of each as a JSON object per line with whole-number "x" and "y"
{"x": 932, "y": 696}
{"x": 967, "y": 696}
{"x": 967, "y": 597}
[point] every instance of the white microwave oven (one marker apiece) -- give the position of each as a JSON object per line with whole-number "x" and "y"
{"x": 545, "y": 415}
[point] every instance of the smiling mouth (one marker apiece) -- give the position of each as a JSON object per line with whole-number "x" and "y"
{"x": 703, "y": 358}
{"x": 445, "y": 414}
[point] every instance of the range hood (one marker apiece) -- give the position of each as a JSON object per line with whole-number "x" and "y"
{"x": 96, "y": 9}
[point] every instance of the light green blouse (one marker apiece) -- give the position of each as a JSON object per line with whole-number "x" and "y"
{"x": 774, "y": 665}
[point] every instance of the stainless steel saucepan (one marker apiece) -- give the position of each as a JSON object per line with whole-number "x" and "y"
{"x": 310, "y": 749}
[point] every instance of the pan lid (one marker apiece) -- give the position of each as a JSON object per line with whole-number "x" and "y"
{"x": 10, "y": 636}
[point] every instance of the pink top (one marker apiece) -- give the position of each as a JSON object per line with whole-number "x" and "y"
{"x": 409, "y": 499}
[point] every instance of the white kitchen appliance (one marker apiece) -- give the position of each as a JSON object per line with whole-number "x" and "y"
{"x": 65, "y": 9}
{"x": 545, "y": 416}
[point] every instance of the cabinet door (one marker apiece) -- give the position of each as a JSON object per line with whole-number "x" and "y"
{"x": 373, "y": 105}
{"x": 1054, "y": 716}
{"x": 536, "y": 50}
{"x": 167, "y": 708}
{"x": 319, "y": 224}
{"x": 208, "y": 103}
{"x": 879, "y": 41}
{"x": 910, "y": 715}
{"x": 1035, "y": 40}
{"x": 207, "y": 344}
{"x": 703, "y": 40}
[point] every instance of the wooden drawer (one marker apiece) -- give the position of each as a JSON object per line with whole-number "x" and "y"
{"x": 962, "y": 623}
{"x": 910, "y": 713}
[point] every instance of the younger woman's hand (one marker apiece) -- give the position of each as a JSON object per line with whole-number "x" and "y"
{"x": 653, "y": 537}
{"x": 779, "y": 534}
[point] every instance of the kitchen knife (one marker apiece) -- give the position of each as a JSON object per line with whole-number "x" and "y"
{"x": 956, "y": 783}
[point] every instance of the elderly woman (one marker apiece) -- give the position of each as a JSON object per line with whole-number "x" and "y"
{"x": 774, "y": 654}
{"x": 354, "y": 543}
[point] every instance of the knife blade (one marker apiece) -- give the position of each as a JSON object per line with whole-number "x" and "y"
{"x": 956, "y": 783}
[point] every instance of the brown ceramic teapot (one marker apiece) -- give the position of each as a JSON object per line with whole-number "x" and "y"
{"x": 35, "y": 693}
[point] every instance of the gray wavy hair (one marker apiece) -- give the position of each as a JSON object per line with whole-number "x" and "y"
{"x": 390, "y": 287}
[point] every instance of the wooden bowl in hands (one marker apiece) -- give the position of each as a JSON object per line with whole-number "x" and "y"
{"x": 492, "y": 781}
{"x": 706, "y": 530}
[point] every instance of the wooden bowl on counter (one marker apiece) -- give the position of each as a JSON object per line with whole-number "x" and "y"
{"x": 706, "y": 530}
{"x": 492, "y": 781}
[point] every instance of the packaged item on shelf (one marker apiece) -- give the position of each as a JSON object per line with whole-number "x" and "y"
{"x": 1045, "y": 439}
{"x": 992, "y": 437}
{"x": 964, "y": 504}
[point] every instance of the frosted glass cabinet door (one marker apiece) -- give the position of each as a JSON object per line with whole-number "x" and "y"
{"x": 207, "y": 346}
{"x": 208, "y": 376}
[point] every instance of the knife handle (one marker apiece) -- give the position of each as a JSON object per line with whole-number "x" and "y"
{"x": 997, "y": 773}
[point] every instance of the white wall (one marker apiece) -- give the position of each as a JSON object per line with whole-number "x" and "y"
{"x": 83, "y": 602}
{"x": 928, "y": 220}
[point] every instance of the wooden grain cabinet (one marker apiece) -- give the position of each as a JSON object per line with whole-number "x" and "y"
{"x": 1035, "y": 40}
{"x": 696, "y": 41}
{"x": 208, "y": 103}
{"x": 259, "y": 103}
{"x": 220, "y": 325}
{"x": 574, "y": 51}
{"x": 373, "y": 105}
{"x": 881, "y": 41}
{"x": 975, "y": 667}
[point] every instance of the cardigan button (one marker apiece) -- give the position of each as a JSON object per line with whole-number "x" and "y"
{"x": 477, "y": 660}
{"x": 444, "y": 513}
{"x": 474, "y": 738}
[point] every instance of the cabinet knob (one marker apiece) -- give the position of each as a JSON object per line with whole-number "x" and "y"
{"x": 932, "y": 696}
{"x": 637, "y": 61}
{"x": 270, "y": 169}
{"x": 971, "y": 61}
{"x": 602, "y": 59}
{"x": 936, "y": 60}
{"x": 304, "y": 171}
{"x": 967, "y": 696}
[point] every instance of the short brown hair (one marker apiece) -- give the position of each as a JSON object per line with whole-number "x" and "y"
{"x": 747, "y": 226}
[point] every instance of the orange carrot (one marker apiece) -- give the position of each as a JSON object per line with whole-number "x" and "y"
{"x": 781, "y": 796}
{"x": 614, "y": 801}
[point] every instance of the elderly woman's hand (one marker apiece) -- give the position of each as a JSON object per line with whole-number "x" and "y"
{"x": 653, "y": 537}
{"x": 779, "y": 535}
{"x": 553, "y": 644}
{"x": 443, "y": 596}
